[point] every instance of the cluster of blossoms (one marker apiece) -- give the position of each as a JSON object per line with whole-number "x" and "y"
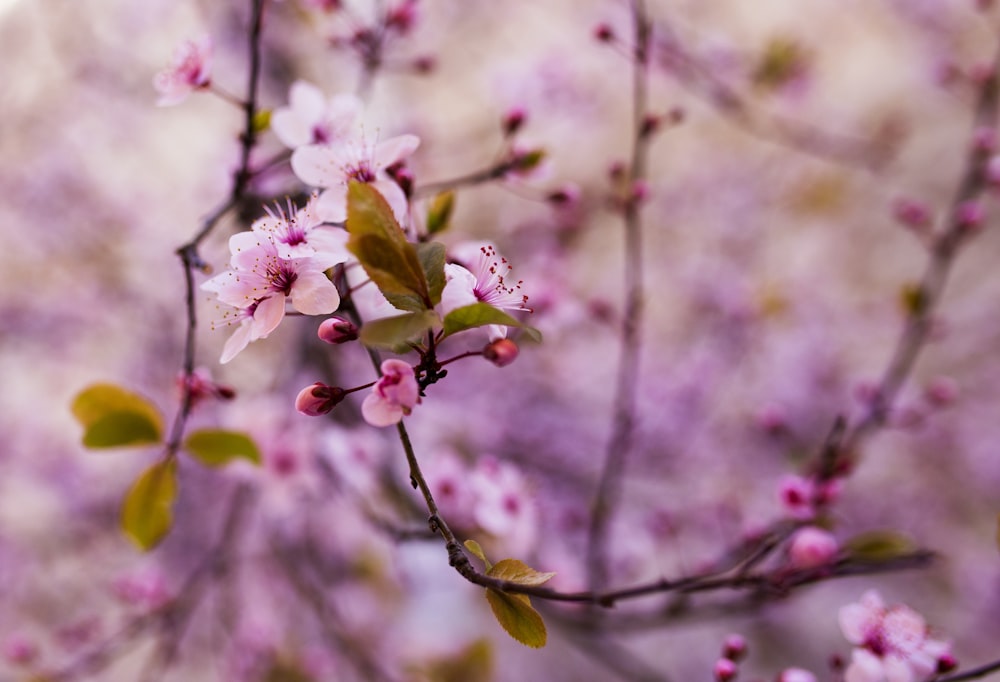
{"x": 285, "y": 258}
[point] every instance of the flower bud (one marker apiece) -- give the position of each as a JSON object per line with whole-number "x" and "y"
{"x": 969, "y": 216}
{"x": 318, "y": 399}
{"x": 946, "y": 663}
{"x": 734, "y": 647}
{"x": 812, "y": 547}
{"x": 604, "y": 33}
{"x": 724, "y": 670}
{"x": 337, "y": 330}
{"x": 501, "y": 352}
{"x": 513, "y": 120}
{"x": 796, "y": 675}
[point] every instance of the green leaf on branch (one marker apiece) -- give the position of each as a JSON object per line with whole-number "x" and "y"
{"x": 432, "y": 256}
{"x": 112, "y": 417}
{"x": 215, "y": 447}
{"x": 395, "y": 332}
{"x": 379, "y": 244}
{"x": 439, "y": 212}
{"x": 518, "y": 572}
{"x": 878, "y": 546}
{"x": 516, "y": 615}
{"x": 147, "y": 513}
{"x": 479, "y": 315}
{"x": 476, "y": 550}
{"x": 261, "y": 120}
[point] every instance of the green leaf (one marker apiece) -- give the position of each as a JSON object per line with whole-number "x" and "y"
{"x": 215, "y": 447}
{"x": 878, "y": 546}
{"x": 380, "y": 245}
{"x": 119, "y": 428}
{"x": 479, "y": 315}
{"x": 476, "y": 315}
{"x": 261, "y": 120}
{"x": 432, "y": 255}
{"x": 474, "y": 547}
{"x": 395, "y": 332}
{"x": 518, "y": 572}
{"x": 112, "y": 416}
{"x": 147, "y": 513}
{"x": 439, "y": 212}
{"x": 516, "y": 615}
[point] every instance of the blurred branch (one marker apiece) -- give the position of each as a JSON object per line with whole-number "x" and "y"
{"x": 953, "y": 233}
{"x": 692, "y": 72}
{"x": 973, "y": 674}
{"x": 620, "y": 442}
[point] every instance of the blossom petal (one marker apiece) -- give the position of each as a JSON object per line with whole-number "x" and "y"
{"x": 267, "y": 316}
{"x": 380, "y": 412}
{"x": 395, "y": 149}
{"x": 865, "y": 667}
{"x": 314, "y": 294}
{"x": 315, "y": 165}
{"x": 332, "y": 205}
{"x": 237, "y": 342}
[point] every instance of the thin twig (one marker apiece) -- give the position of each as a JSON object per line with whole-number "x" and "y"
{"x": 620, "y": 443}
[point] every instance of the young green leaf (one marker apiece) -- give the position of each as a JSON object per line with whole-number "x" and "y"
{"x": 380, "y": 245}
{"x": 476, "y": 315}
{"x": 879, "y": 545}
{"x": 478, "y": 552}
{"x": 394, "y": 332}
{"x": 112, "y": 416}
{"x": 518, "y": 572}
{"x": 147, "y": 513}
{"x": 432, "y": 257}
{"x": 215, "y": 447}
{"x": 516, "y": 615}
{"x": 439, "y": 212}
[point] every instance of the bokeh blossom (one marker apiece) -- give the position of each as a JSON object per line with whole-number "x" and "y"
{"x": 312, "y": 118}
{"x": 892, "y": 644}
{"x": 190, "y": 69}
{"x": 358, "y": 158}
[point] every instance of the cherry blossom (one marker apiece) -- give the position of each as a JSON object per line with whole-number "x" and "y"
{"x": 486, "y": 282}
{"x": 504, "y": 506}
{"x": 891, "y": 643}
{"x": 393, "y": 396}
{"x": 260, "y": 282}
{"x": 358, "y": 158}
{"x": 300, "y": 233}
{"x": 812, "y": 547}
{"x": 311, "y": 118}
{"x": 190, "y": 69}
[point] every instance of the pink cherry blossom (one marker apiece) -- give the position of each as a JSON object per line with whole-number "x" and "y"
{"x": 486, "y": 282}
{"x": 311, "y": 118}
{"x": 891, "y": 643}
{"x": 356, "y": 158}
{"x": 299, "y": 232}
{"x": 393, "y": 396}
{"x": 504, "y": 506}
{"x": 260, "y": 281}
{"x": 190, "y": 69}
{"x": 796, "y": 675}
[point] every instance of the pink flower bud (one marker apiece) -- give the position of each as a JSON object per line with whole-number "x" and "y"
{"x": 734, "y": 647}
{"x": 565, "y": 196}
{"x": 993, "y": 171}
{"x": 796, "y": 675}
{"x": 318, "y": 399}
{"x": 650, "y": 124}
{"x": 337, "y": 330}
{"x": 424, "y": 64}
{"x": 911, "y": 213}
{"x": 501, "y": 352}
{"x": 946, "y": 663}
{"x": 724, "y": 670}
{"x": 604, "y": 33}
{"x": 513, "y": 120}
{"x": 812, "y": 547}
{"x": 941, "y": 392}
{"x": 969, "y": 215}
